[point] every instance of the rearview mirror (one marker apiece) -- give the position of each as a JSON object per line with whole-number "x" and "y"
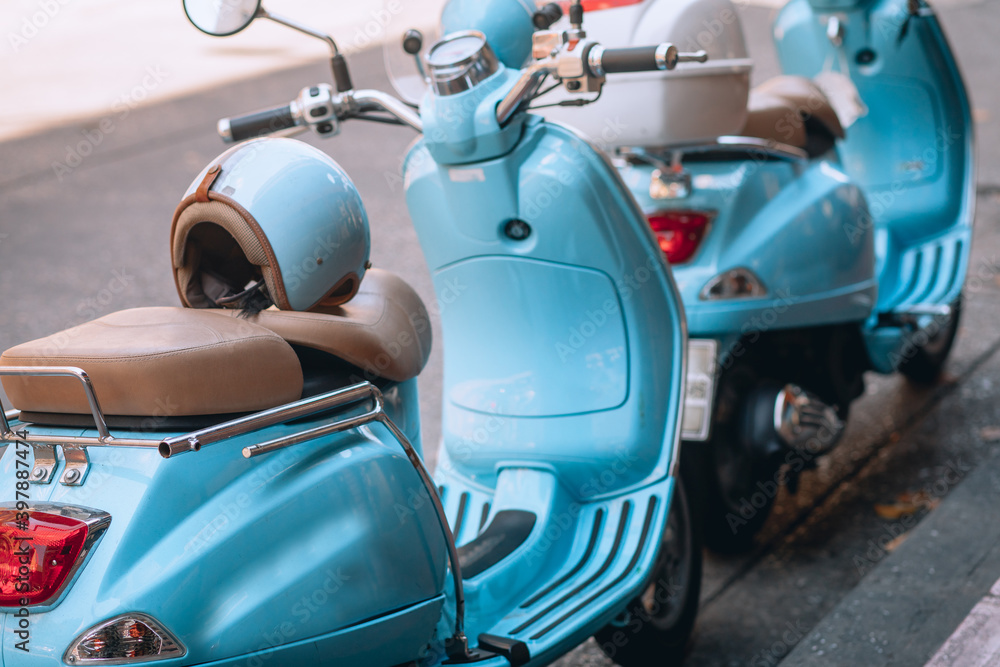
{"x": 221, "y": 18}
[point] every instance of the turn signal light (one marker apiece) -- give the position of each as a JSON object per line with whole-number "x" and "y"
{"x": 738, "y": 283}
{"x": 123, "y": 640}
{"x": 38, "y": 552}
{"x": 679, "y": 233}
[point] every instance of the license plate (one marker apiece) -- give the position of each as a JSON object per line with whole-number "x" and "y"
{"x": 699, "y": 391}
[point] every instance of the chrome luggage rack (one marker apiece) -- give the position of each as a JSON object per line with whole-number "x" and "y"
{"x": 74, "y": 447}
{"x": 78, "y": 463}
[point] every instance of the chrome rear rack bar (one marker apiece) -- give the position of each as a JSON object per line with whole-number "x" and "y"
{"x": 760, "y": 147}
{"x": 58, "y": 371}
{"x": 193, "y": 442}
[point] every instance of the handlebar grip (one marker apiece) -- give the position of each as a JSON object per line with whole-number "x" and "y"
{"x": 632, "y": 59}
{"x": 257, "y": 124}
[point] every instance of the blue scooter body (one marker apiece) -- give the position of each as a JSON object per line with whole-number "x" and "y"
{"x": 917, "y": 169}
{"x": 859, "y": 249}
{"x": 784, "y": 219}
{"x": 867, "y": 234}
{"x": 564, "y": 374}
{"x": 280, "y": 559}
{"x": 564, "y": 365}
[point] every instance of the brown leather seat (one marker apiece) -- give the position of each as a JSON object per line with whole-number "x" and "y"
{"x": 793, "y": 110}
{"x": 384, "y": 330}
{"x": 160, "y": 362}
{"x": 186, "y": 361}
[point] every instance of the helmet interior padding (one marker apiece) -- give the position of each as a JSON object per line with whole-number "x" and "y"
{"x": 217, "y": 252}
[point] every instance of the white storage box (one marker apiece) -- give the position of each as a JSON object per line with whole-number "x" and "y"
{"x": 696, "y": 101}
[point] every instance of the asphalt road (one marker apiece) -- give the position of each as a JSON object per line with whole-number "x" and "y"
{"x": 91, "y": 236}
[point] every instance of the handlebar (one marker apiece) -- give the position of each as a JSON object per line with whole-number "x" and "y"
{"x": 317, "y": 107}
{"x": 257, "y": 124}
{"x": 320, "y": 108}
{"x": 634, "y": 59}
{"x": 598, "y": 61}
{"x": 639, "y": 59}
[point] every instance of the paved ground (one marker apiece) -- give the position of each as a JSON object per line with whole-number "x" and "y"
{"x": 84, "y": 219}
{"x": 54, "y": 51}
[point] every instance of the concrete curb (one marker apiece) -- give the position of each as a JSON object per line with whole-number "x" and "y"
{"x": 914, "y": 599}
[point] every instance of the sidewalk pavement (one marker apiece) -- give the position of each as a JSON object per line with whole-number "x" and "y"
{"x": 68, "y": 60}
{"x": 934, "y": 600}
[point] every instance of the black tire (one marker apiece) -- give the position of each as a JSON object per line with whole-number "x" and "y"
{"x": 734, "y": 484}
{"x": 734, "y": 495}
{"x": 658, "y": 628}
{"x": 923, "y": 365}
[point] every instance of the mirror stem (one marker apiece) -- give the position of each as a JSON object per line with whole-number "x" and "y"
{"x": 341, "y": 74}
{"x": 264, "y": 14}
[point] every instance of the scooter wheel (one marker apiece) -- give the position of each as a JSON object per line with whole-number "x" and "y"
{"x": 923, "y": 364}
{"x": 731, "y": 503}
{"x": 657, "y": 627}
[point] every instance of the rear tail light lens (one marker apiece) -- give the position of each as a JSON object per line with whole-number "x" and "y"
{"x": 591, "y": 5}
{"x": 42, "y": 547}
{"x": 37, "y": 553}
{"x": 130, "y": 638}
{"x": 679, "y": 233}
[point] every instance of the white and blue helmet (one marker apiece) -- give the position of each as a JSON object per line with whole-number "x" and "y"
{"x": 271, "y": 221}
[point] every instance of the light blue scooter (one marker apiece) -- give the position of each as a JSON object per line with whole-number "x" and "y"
{"x": 309, "y": 532}
{"x": 806, "y": 253}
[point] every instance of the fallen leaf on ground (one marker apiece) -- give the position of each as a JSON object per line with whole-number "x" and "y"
{"x": 896, "y": 542}
{"x": 990, "y": 433}
{"x": 906, "y": 503}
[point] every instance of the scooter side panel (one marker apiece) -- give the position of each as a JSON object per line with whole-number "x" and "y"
{"x": 917, "y": 168}
{"x": 912, "y": 149}
{"x": 235, "y": 556}
{"x": 795, "y": 225}
{"x": 389, "y": 640}
{"x": 593, "y": 353}
{"x": 575, "y": 205}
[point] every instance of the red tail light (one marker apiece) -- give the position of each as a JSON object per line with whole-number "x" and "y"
{"x": 38, "y": 552}
{"x": 592, "y": 5}
{"x": 679, "y": 233}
